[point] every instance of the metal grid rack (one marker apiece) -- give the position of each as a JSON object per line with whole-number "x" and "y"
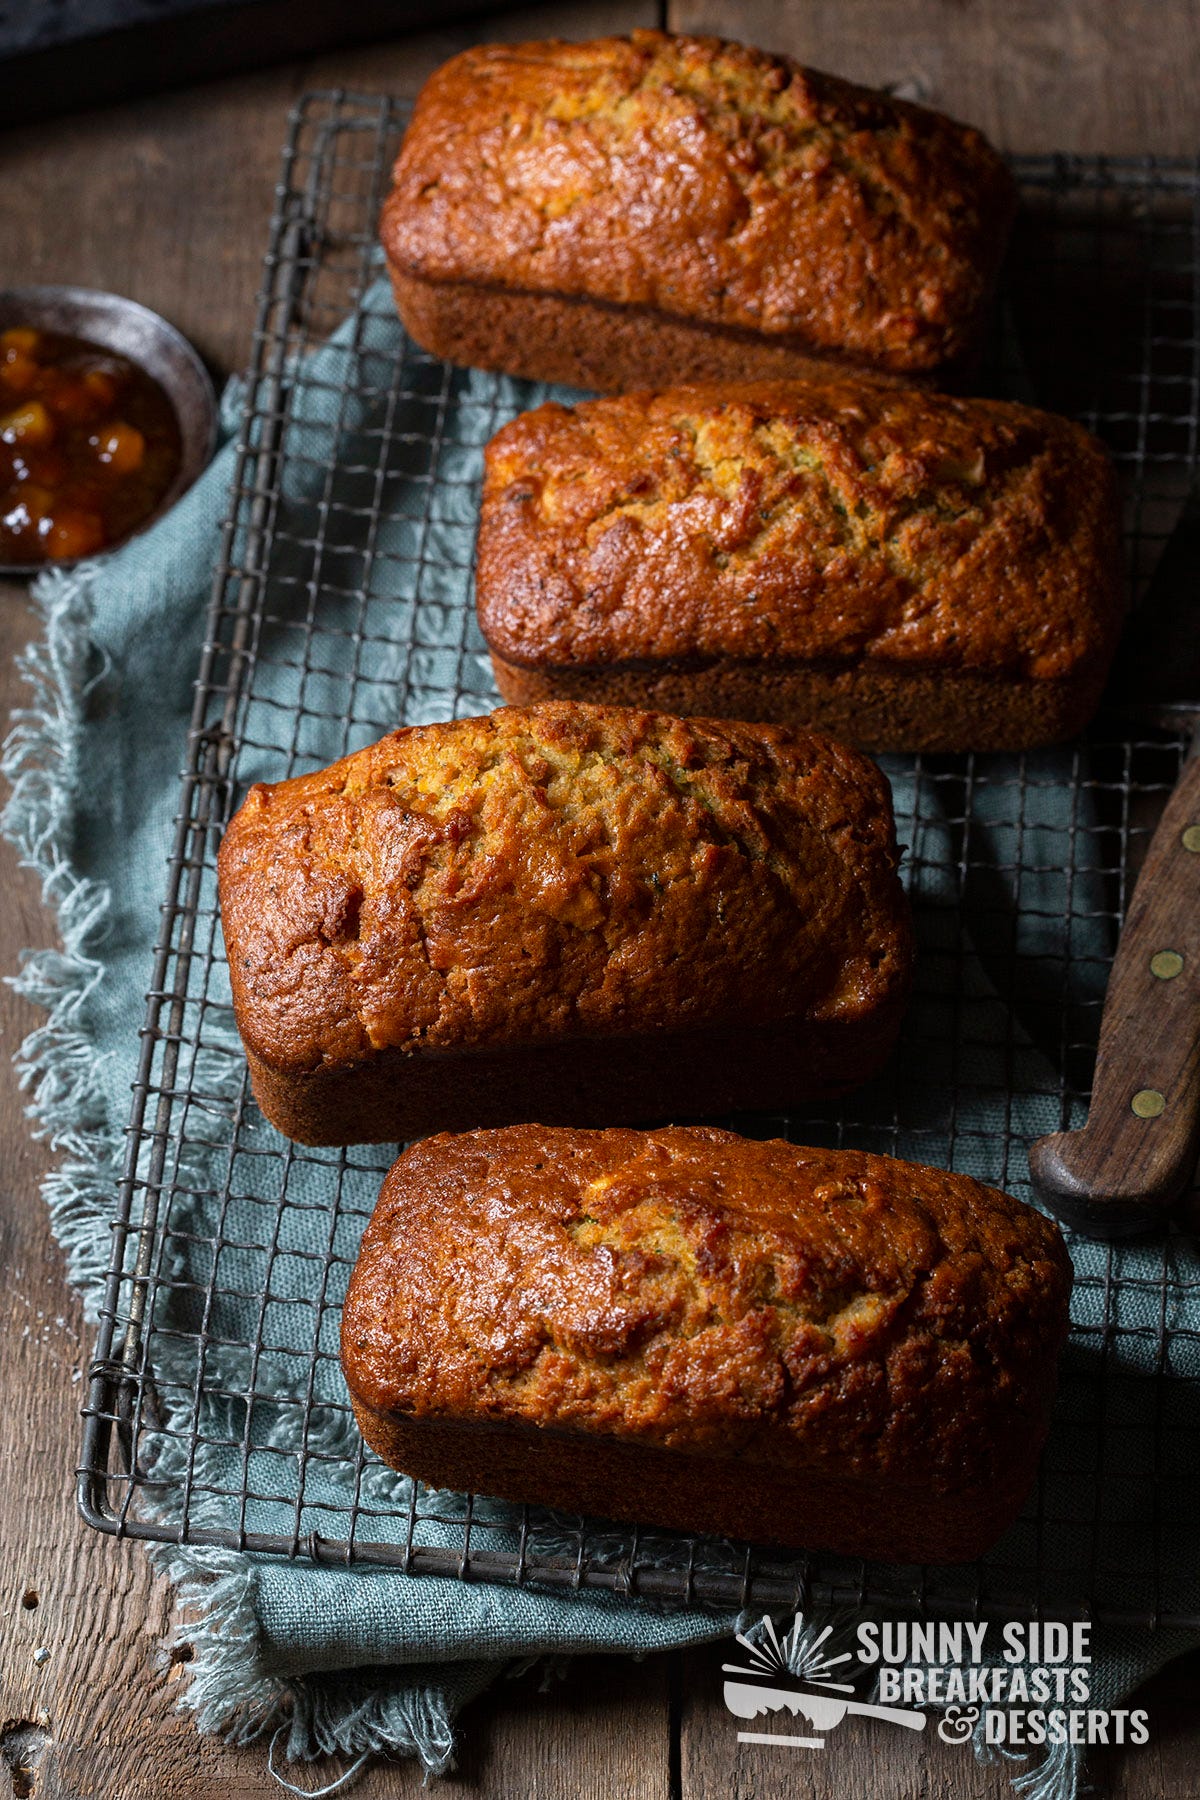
{"x": 215, "y": 1412}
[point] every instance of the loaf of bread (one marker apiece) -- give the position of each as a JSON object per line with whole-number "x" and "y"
{"x": 906, "y": 570}
{"x": 663, "y": 208}
{"x": 572, "y": 913}
{"x": 686, "y": 1328}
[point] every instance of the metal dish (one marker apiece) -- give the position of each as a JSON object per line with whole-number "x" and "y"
{"x": 133, "y": 331}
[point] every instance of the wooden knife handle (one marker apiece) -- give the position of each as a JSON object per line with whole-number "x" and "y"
{"x": 1135, "y": 1155}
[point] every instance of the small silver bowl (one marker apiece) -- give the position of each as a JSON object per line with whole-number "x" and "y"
{"x": 132, "y": 331}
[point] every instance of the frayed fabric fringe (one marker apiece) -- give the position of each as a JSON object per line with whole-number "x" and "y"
{"x": 1057, "y": 1777}
{"x": 352, "y": 1715}
{"x": 57, "y": 1062}
{"x": 404, "y": 1722}
{"x": 358, "y": 1715}
{"x": 58, "y": 1071}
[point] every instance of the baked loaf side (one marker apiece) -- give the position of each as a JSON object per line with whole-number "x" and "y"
{"x": 672, "y": 204}
{"x": 687, "y": 1328}
{"x": 909, "y": 570}
{"x": 583, "y": 907}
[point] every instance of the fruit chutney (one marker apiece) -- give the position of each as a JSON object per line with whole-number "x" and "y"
{"x": 89, "y": 445}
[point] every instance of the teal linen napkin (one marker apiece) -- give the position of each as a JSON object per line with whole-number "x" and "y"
{"x": 94, "y": 764}
{"x": 367, "y": 1659}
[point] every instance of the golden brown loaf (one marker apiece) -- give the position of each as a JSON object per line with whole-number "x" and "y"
{"x": 906, "y": 570}
{"x": 659, "y": 207}
{"x": 575, "y": 913}
{"x": 687, "y": 1328}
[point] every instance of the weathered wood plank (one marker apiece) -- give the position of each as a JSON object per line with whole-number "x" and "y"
{"x": 1073, "y": 75}
{"x": 882, "y": 1762}
{"x": 860, "y": 1757}
{"x": 599, "y": 1732}
{"x": 93, "y": 1716}
{"x": 149, "y": 200}
{"x": 1077, "y": 75}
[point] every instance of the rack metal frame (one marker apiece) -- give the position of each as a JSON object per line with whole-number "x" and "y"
{"x": 1123, "y": 235}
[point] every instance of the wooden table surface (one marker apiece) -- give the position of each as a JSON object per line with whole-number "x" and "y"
{"x": 167, "y": 199}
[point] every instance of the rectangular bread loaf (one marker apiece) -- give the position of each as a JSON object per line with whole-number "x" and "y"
{"x": 662, "y": 208}
{"x": 908, "y": 571}
{"x": 578, "y": 914}
{"x": 817, "y": 1348}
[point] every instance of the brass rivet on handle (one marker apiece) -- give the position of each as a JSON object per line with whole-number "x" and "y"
{"x": 1166, "y": 964}
{"x": 1191, "y": 838}
{"x": 1147, "y": 1103}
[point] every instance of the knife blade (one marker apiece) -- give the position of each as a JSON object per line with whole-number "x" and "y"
{"x": 1126, "y": 1167}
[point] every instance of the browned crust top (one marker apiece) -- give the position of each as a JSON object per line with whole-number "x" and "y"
{"x": 561, "y": 871}
{"x": 704, "y": 180}
{"x": 787, "y": 520}
{"x": 699, "y": 1291}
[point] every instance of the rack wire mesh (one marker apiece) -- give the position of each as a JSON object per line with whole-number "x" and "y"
{"x": 342, "y": 606}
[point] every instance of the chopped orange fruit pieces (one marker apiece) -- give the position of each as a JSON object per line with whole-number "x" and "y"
{"x": 122, "y": 447}
{"x": 72, "y": 534}
{"x": 31, "y": 426}
{"x": 89, "y": 445}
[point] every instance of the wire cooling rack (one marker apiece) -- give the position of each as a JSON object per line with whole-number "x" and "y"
{"x": 342, "y": 606}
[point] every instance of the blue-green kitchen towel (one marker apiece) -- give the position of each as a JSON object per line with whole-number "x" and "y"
{"x": 368, "y": 1659}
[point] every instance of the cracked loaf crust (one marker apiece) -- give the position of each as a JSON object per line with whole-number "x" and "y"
{"x": 659, "y": 207}
{"x": 574, "y": 913}
{"x": 906, "y": 570}
{"x": 686, "y": 1328}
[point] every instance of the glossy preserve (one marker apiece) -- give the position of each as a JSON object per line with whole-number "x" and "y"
{"x": 89, "y": 445}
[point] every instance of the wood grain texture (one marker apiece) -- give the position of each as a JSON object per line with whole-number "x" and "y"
{"x": 168, "y": 199}
{"x": 863, "y": 1760}
{"x": 94, "y": 1716}
{"x": 860, "y": 1758}
{"x": 1137, "y": 1150}
{"x": 1086, "y": 75}
{"x": 598, "y": 1732}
